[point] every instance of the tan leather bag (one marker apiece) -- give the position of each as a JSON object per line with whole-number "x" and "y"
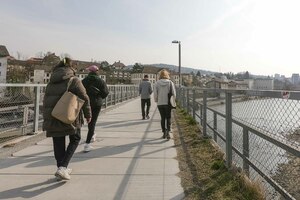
{"x": 68, "y": 106}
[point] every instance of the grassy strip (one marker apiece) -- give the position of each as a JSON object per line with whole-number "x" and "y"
{"x": 202, "y": 169}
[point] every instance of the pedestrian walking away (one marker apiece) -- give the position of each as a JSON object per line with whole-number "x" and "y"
{"x": 63, "y": 74}
{"x": 145, "y": 90}
{"x": 161, "y": 89}
{"x": 97, "y": 91}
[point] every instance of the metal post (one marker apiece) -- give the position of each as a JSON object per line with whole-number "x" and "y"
{"x": 115, "y": 99}
{"x": 25, "y": 120}
{"x": 187, "y": 101}
{"x": 121, "y": 93}
{"x": 36, "y": 109}
{"x": 228, "y": 129}
{"x": 201, "y": 114}
{"x": 194, "y": 104}
{"x": 179, "y": 66}
{"x": 246, "y": 150}
{"x": 204, "y": 112}
{"x": 215, "y": 126}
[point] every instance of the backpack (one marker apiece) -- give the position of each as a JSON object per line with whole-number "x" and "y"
{"x": 94, "y": 91}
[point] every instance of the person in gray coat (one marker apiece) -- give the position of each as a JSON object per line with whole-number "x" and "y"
{"x": 55, "y": 128}
{"x": 161, "y": 89}
{"x": 145, "y": 90}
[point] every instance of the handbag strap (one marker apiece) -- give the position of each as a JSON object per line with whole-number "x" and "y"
{"x": 170, "y": 88}
{"x": 69, "y": 83}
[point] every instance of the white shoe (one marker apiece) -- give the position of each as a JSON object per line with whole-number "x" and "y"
{"x": 94, "y": 138}
{"x": 87, "y": 147}
{"x": 69, "y": 170}
{"x": 63, "y": 173}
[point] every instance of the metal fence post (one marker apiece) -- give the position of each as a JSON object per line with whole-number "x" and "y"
{"x": 201, "y": 114}
{"x": 228, "y": 129}
{"x": 204, "y": 112}
{"x": 121, "y": 93}
{"x": 194, "y": 104}
{"x": 25, "y": 120}
{"x": 115, "y": 95}
{"x": 187, "y": 101}
{"x": 246, "y": 150}
{"x": 215, "y": 126}
{"x": 37, "y": 90}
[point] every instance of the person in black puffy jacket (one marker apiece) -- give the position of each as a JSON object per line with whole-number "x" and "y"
{"x": 58, "y": 130}
{"x": 97, "y": 91}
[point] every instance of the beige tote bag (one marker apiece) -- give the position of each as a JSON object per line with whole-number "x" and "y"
{"x": 68, "y": 106}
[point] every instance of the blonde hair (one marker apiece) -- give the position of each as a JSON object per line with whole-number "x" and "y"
{"x": 164, "y": 74}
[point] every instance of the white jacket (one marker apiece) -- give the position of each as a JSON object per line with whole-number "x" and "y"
{"x": 161, "y": 90}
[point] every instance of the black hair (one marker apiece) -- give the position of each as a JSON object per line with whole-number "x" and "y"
{"x": 145, "y": 76}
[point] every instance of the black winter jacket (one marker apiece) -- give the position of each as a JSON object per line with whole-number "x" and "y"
{"x": 100, "y": 90}
{"x": 54, "y": 90}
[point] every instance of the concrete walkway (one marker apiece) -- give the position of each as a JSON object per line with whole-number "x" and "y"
{"x": 129, "y": 161}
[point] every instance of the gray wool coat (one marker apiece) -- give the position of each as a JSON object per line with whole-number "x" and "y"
{"x": 54, "y": 90}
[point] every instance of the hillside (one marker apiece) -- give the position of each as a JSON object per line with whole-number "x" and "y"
{"x": 175, "y": 68}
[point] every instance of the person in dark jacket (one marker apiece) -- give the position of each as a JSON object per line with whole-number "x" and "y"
{"x": 55, "y": 128}
{"x": 145, "y": 90}
{"x": 97, "y": 91}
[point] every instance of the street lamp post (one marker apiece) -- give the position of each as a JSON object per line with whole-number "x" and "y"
{"x": 179, "y": 65}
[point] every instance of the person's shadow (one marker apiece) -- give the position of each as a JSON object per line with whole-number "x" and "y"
{"x": 32, "y": 190}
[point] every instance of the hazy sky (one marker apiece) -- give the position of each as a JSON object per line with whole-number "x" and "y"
{"x": 259, "y": 36}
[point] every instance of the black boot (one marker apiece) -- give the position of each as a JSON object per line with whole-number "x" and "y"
{"x": 164, "y": 135}
{"x": 167, "y": 134}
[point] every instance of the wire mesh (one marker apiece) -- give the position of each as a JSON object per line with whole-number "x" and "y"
{"x": 16, "y": 111}
{"x": 275, "y": 117}
{"x": 17, "y": 106}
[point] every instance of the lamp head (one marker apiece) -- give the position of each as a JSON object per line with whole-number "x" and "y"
{"x": 175, "y": 41}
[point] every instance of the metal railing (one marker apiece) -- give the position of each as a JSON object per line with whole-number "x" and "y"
{"x": 258, "y": 131}
{"x": 21, "y": 106}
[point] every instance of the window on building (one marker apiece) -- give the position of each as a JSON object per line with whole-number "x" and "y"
{"x": 0, "y": 64}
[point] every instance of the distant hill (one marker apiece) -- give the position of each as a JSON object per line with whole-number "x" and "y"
{"x": 175, "y": 68}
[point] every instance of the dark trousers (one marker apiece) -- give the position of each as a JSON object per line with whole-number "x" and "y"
{"x": 143, "y": 104}
{"x": 165, "y": 114}
{"x": 63, "y": 155}
{"x": 91, "y": 126}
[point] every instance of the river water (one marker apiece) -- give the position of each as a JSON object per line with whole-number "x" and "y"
{"x": 278, "y": 118}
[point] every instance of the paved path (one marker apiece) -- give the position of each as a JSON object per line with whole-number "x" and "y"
{"x": 129, "y": 161}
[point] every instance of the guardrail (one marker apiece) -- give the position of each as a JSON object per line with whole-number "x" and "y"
{"x": 258, "y": 131}
{"x": 21, "y": 106}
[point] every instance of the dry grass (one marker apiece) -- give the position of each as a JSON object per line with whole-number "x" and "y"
{"x": 202, "y": 169}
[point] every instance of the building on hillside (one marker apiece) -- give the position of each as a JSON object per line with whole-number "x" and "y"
{"x": 3, "y": 68}
{"x": 245, "y": 84}
{"x": 118, "y": 65}
{"x": 295, "y": 79}
{"x": 36, "y": 70}
{"x": 187, "y": 79}
{"x": 153, "y": 74}
{"x": 216, "y": 83}
{"x": 263, "y": 84}
{"x": 174, "y": 76}
{"x": 3, "y": 63}
{"x": 151, "y": 71}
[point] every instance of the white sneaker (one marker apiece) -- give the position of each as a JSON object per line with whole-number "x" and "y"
{"x": 87, "y": 147}
{"x": 69, "y": 170}
{"x": 63, "y": 173}
{"x": 94, "y": 138}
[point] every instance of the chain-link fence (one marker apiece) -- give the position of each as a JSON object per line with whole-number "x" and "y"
{"x": 21, "y": 106}
{"x": 259, "y": 132}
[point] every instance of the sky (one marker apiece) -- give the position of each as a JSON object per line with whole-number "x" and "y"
{"x": 258, "y": 36}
